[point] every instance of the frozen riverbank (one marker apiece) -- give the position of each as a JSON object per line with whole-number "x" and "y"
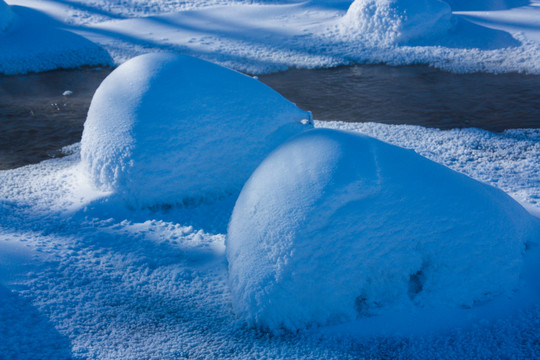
{"x": 268, "y": 36}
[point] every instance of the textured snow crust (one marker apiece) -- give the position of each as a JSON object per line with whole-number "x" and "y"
{"x": 389, "y": 22}
{"x": 166, "y": 128}
{"x": 332, "y": 226}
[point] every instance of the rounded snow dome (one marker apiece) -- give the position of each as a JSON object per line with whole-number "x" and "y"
{"x": 167, "y": 128}
{"x": 6, "y": 16}
{"x": 396, "y": 21}
{"x": 333, "y": 226}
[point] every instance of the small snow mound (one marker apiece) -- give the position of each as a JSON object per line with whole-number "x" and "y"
{"x": 165, "y": 128}
{"x": 6, "y": 16}
{"x": 333, "y": 226}
{"x": 390, "y": 22}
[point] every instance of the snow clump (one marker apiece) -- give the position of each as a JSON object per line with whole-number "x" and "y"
{"x": 6, "y": 16}
{"x": 166, "y": 128}
{"x": 390, "y": 22}
{"x": 333, "y": 226}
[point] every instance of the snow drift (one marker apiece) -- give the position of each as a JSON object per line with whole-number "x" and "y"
{"x": 165, "y": 128}
{"x": 389, "y": 22}
{"x": 6, "y": 16}
{"x": 485, "y": 5}
{"x": 333, "y": 226}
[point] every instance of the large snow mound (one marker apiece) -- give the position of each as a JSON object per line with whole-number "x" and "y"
{"x": 387, "y": 22}
{"x": 334, "y": 225}
{"x": 6, "y": 16}
{"x": 165, "y": 128}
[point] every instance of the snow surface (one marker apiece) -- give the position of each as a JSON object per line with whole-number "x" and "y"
{"x": 511, "y": 20}
{"x": 98, "y": 282}
{"x": 486, "y": 5}
{"x": 266, "y": 36}
{"x": 6, "y": 16}
{"x": 34, "y": 42}
{"x": 388, "y": 22}
{"x": 167, "y": 128}
{"x": 333, "y": 226}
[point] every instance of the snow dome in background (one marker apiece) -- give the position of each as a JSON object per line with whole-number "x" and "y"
{"x": 389, "y": 22}
{"x": 6, "y": 16}
{"x": 166, "y": 128}
{"x": 333, "y": 225}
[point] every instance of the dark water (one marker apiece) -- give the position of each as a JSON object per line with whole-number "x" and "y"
{"x": 36, "y": 120}
{"x": 416, "y": 95}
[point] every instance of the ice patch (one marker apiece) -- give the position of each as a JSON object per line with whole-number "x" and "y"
{"x": 333, "y": 226}
{"x": 166, "y": 128}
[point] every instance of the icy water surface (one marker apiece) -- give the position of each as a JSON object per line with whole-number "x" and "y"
{"x": 414, "y": 95}
{"x": 36, "y": 120}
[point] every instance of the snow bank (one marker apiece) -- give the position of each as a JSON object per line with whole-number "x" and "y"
{"x": 166, "y": 128}
{"x": 387, "y": 22}
{"x": 6, "y": 16}
{"x": 273, "y": 35}
{"x": 333, "y": 225}
{"x": 37, "y": 43}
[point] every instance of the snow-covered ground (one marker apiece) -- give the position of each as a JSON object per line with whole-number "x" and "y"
{"x": 265, "y": 36}
{"x": 97, "y": 280}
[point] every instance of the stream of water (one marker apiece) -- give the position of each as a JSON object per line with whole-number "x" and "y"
{"x": 38, "y": 117}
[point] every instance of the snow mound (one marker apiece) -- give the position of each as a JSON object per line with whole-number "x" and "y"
{"x": 333, "y": 226}
{"x": 389, "y": 22}
{"x": 165, "y": 128}
{"x": 6, "y": 16}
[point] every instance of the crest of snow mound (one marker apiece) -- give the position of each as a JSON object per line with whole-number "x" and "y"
{"x": 333, "y": 226}
{"x": 165, "y": 128}
{"x": 6, "y": 16}
{"x": 390, "y": 22}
